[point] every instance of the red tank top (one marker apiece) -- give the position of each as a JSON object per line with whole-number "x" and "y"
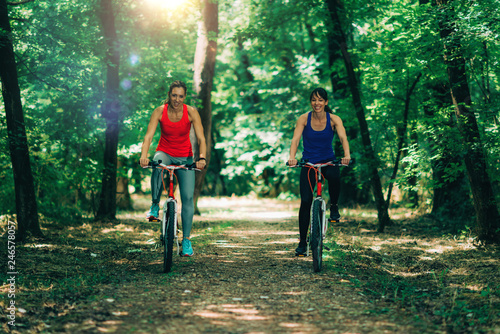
{"x": 174, "y": 139}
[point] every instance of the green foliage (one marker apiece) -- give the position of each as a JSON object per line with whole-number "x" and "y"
{"x": 270, "y": 55}
{"x": 62, "y": 79}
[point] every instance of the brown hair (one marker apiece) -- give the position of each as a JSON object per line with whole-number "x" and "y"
{"x": 175, "y": 84}
{"x": 324, "y": 95}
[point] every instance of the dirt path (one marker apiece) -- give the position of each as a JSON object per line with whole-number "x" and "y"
{"x": 105, "y": 277}
{"x": 242, "y": 279}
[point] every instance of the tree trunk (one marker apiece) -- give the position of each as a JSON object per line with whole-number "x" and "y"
{"x": 111, "y": 112}
{"x": 123, "y": 200}
{"x": 488, "y": 219}
{"x": 451, "y": 196}
{"x": 204, "y": 69}
{"x": 349, "y": 192}
{"x": 401, "y": 132}
{"x": 26, "y": 206}
{"x": 369, "y": 154}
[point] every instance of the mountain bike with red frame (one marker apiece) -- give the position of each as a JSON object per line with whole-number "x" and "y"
{"x": 169, "y": 219}
{"x": 319, "y": 223}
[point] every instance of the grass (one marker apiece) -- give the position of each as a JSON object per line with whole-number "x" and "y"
{"x": 436, "y": 276}
{"x": 447, "y": 279}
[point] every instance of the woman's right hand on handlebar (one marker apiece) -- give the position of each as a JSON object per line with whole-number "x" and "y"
{"x": 144, "y": 162}
{"x": 292, "y": 162}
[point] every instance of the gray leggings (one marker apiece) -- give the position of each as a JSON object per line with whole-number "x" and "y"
{"x": 186, "y": 179}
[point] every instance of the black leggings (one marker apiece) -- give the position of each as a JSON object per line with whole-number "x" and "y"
{"x": 332, "y": 175}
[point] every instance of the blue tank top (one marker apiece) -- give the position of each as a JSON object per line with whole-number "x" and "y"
{"x": 318, "y": 144}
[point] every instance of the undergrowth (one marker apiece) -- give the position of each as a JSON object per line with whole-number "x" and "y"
{"x": 463, "y": 296}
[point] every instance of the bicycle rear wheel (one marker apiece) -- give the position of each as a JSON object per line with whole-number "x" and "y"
{"x": 168, "y": 239}
{"x": 316, "y": 237}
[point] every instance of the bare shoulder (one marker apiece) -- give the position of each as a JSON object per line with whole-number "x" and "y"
{"x": 192, "y": 110}
{"x": 157, "y": 113}
{"x": 192, "y": 113}
{"x": 303, "y": 119}
{"x": 336, "y": 119}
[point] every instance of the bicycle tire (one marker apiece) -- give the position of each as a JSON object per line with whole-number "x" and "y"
{"x": 316, "y": 242}
{"x": 168, "y": 239}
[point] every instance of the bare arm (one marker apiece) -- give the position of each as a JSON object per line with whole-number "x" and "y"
{"x": 297, "y": 134}
{"x": 339, "y": 126}
{"x": 153, "y": 123}
{"x": 195, "y": 118}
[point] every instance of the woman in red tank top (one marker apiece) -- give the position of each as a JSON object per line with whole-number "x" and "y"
{"x": 175, "y": 119}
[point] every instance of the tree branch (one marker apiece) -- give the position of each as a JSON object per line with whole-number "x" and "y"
{"x": 22, "y": 2}
{"x": 21, "y": 62}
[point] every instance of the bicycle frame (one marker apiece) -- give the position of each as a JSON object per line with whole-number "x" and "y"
{"x": 170, "y": 197}
{"x": 319, "y": 197}
{"x": 318, "y": 223}
{"x": 319, "y": 190}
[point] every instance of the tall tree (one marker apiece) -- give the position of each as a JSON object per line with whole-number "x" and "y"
{"x": 204, "y": 70}
{"x": 334, "y": 6}
{"x": 401, "y": 133}
{"x": 111, "y": 112}
{"x": 123, "y": 199}
{"x": 488, "y": 219}
{"x": 26, "y": 205}
{"x": 350, "y": 193}
{"x": 451, "y": 195}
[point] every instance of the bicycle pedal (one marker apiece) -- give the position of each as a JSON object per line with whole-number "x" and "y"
{"x": 334, "y": 220}
{"x": 151, "y": 219}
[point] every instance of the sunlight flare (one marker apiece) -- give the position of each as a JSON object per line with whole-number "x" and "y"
{"x": 167, "y": 4}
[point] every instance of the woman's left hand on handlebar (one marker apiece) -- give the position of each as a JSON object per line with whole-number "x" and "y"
{"x": 201, "y": 163}
{"x": 346, "y": 161}
{"x": 144, "y": 162}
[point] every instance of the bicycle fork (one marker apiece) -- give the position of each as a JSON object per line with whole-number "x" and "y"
{"x": 164, "y": 222}
{"x": 171, "y": 198}
{"x": 324, "y": 221}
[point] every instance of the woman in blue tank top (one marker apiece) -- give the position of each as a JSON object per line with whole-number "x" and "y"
{"x": 317, "y": 128}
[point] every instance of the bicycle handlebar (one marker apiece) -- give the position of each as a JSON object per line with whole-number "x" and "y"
{"x": 158, "y": 164}
{"x": 337, "y": 163}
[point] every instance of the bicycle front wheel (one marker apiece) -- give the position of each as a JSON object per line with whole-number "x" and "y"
{"x": 168, "y": 239}
{"x": 316, "y": 237}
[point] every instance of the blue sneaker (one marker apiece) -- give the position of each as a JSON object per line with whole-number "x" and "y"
{"x": 187, "y": 249}
{"x": 154, "y": 212}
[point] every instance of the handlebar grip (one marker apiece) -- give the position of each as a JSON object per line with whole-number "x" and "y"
{"x": 301, "y": 163}
{"x": 153, "y": 163}
{"x": 339, "y": 161}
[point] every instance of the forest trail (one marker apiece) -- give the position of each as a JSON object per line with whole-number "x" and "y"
{"x": 105, "y": 277}
{"x": 244, "y": 278}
